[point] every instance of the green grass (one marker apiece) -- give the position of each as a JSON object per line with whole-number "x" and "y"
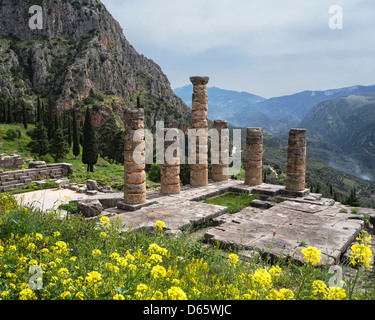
{"x": 234, "y": 202}
{"x": 73, "y": 252}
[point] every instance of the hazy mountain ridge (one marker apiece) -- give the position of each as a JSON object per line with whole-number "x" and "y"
{"x": 345, "y": 125}
{"x": 277, "y": 114}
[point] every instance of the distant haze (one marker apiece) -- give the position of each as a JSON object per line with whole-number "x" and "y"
{"x": 267, "y": 47}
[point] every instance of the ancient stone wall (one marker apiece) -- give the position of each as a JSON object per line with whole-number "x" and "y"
{"x": 20, "y": 179}
{"x": 11, "y": 162}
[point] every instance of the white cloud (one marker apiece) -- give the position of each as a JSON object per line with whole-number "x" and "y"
{"x": 288, "y": 37}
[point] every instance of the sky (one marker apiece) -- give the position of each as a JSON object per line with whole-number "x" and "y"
{"x": 269, "y": 48}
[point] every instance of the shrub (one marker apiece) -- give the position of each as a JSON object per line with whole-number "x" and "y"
{"x": 11, "y": 134}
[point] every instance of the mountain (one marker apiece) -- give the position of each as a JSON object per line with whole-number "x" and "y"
{"x": 277, "y": 114}
{"x": 345, "y": 126}
{"x": 80, "y": 53}
{"x": 223, "y": 104}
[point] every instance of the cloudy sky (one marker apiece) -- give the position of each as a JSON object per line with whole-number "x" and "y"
{"x": 265, "y": 47}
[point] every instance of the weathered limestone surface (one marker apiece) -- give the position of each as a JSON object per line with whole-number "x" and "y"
{"x": 221, "y": 152}
{"x": 170, "y": 170}
{"x": 287, "y": 228}
{"x": 254, "y": 157}
{"x": 134, "y": 155}
{"x": 296, "y": 166}
{"x": 199, "y": 171}
{"x": 179, "y": 216}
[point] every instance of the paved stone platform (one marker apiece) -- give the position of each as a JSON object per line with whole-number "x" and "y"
{"x": 285, "y": 229}
{"x": 279, "y": 228}
{"x": 177, "y": 215}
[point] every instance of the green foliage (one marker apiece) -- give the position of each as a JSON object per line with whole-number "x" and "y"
{"x": 90, "y": 143}
{"x": 154, "y": 174}
{"x": 11, "y": 134}
{"x": 234, "y": 202}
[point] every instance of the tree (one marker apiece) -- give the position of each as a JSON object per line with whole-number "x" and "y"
{"x": 59, "y": 146}
{"x": 10, "y": 113}
{"x": 353, "y": 199}
{"x": 39, "y": 143}
{"x": 76, "y": 145}
{"x": 90, "y": 143}
{"x": 24, "y": 115}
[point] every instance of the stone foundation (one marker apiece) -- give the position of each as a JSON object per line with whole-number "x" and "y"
{"x": 11, "y": 162}
{"x": 15, "y": 180}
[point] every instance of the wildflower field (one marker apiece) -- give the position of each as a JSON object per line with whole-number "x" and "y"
{"x": 44, "y": 257}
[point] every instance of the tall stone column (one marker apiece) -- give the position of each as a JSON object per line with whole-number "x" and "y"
{"x": 254, "y": 157}
{"x": 296, "y": 167}
{"x": 170, "y": 170}
{"x": 199, "y": 171}
{"x": 220, "y": 151}
{"x": 134, "y": 158}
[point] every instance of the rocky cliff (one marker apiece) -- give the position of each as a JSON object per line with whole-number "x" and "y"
{"x": 81, "y": 52}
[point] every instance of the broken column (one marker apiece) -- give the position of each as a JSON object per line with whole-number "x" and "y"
{"x": 220, "y": 151}
{"x": 296, "y": 167}
{"x": 134, "y": 157}
{"x": 199, "y": 170}
{"x": 170, "y": 170}
{"x": 254, "y": 157}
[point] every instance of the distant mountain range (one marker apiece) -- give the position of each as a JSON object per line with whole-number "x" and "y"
{"x": 275, "y": 115}
{"x": 345, "y": 126}
{"x": 340, "y": 123}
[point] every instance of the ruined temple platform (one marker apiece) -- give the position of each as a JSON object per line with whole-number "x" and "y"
{"x": 278, "y": 225}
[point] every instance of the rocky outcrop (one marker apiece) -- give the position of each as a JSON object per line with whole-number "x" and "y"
{"x": 81, "y": 49}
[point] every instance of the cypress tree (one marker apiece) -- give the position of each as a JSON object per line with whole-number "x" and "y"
{"x": 5, "y": 113}
{"x": 58, "y": 147}
{"x": 90, "y": 143}
{"x": 38, "y": 114}
{"x": 76, "y": 146}
{"x": 1, "y": 112}
{"x": 24, "y": 115}
{"x": 40, "y": 143}
{"x": 10, "y": 114}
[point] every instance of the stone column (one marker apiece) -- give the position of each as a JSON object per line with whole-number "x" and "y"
{"x": 296, "y": 167}
{"x": 170, "y": 170}
{"x": 199, "y": 171}
{"x": 220, "y": 150}
{"x": 254, "y": 157}
{"x": 134, "y": 157}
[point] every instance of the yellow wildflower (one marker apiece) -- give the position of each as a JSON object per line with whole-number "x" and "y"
{"x": 158, "y": 272}
{"x": 361, "y": 255}
{"x": 96, "y": 253}
{"x": 176, "y": 293}
{"x": 312, "y": 255}
{"x": 159, "y": 225}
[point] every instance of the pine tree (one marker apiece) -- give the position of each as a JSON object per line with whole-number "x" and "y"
{"x": 90, "y": 143}
{"x": 76, "y": 145}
